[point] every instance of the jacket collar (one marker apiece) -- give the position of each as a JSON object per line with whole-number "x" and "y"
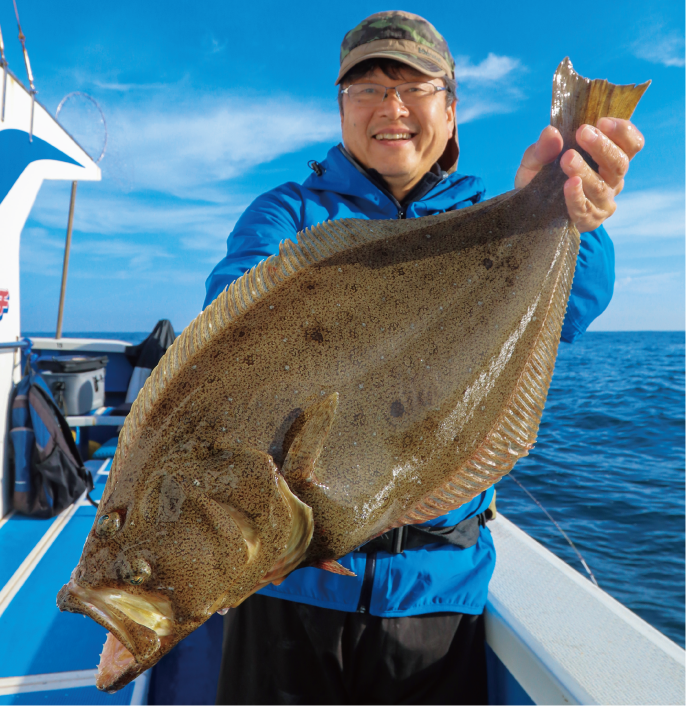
{"x": 425, "y": 184}
{"x": 342, "y": 175}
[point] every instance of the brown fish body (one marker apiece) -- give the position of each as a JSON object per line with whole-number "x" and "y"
{"x": 376, "y": 374}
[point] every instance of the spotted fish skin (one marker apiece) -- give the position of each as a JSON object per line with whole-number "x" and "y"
{"x": 373, "y": 374}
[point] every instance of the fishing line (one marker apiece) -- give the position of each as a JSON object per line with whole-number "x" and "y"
{"x": 562, "y": 532}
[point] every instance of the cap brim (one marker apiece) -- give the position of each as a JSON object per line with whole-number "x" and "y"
{"x": 423, "y": 65}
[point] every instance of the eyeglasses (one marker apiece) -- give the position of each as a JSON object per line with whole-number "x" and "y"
{"x": 407, "y": 93}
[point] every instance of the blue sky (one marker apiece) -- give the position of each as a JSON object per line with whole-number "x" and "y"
{"x": 210, "y": 104}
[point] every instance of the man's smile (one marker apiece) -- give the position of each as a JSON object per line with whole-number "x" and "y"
{"x": 394, "y": 136}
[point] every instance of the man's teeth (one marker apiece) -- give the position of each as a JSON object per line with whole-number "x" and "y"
{"x": 393, "y": 136}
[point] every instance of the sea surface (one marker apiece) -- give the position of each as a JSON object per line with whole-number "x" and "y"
{"x": 608, "y": 467}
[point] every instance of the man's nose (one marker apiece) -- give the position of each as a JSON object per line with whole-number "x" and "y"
{"x": 392, "y": 106}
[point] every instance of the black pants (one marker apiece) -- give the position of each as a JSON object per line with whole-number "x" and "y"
{"x": 280, "y": 652}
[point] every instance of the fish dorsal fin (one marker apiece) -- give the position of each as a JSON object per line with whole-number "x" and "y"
{"x": 578, "y": 101}
{"x": 312, "y": 247}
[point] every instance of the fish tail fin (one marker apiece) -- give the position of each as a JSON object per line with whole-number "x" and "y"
{"x": 578, "y": 101}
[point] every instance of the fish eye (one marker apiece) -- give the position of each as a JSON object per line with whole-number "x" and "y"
{"x": 141, "y": 572}
{"x": 108, "y": 524}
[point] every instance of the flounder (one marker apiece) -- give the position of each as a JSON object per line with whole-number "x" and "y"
{"x": 373, "y": 374}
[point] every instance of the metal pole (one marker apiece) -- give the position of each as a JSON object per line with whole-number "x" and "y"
{"x": 3, "y": 63}
{"x": 65, "y": 265}
{"x": 22, "y": 39}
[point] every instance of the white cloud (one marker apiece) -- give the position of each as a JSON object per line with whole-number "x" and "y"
{"x": 215, "y": 46}
{"x": 661, "y": 46}
{"x": 126, "y": 87}
{"x": 492, "y": 68}
{"x": 184, "y": 145}
{"x": 471, "y": 109}
{"x": 104, "y": 212}
{"x": 646, "y": 282}
{"x": 173, "y": 152}
{"x": 487, "y": 88}
{"x": 41, "y": 252}
{"x": 651, "y": 213}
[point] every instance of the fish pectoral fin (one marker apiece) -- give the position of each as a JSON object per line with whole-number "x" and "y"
{"x": 309, "y": 441}
{"x": 299, "y": 538}
{"x": 250, "y": 535}
{"x": 333, "y": 566}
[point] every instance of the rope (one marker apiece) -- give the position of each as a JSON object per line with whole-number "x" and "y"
{"x": 562, "y": 532}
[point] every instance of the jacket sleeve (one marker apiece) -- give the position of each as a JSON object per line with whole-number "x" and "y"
{"x": 593, "y": 285}
{"x": 270, "y": 218}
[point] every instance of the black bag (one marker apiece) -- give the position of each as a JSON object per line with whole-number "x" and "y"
{"x": 144, "y": 357}
{"x": 49, "y": 474}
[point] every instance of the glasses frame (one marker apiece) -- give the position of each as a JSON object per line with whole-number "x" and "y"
{"x": 438, "y": 89}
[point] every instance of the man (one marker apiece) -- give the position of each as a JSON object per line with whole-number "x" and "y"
{"x": 409, "y": 627}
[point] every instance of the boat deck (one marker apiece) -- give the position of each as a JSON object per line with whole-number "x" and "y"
{"x": 552, "y": 637}
{"x": 50, "y": 656}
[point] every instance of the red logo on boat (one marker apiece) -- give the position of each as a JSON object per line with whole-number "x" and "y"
{"x": 4, "y": 302}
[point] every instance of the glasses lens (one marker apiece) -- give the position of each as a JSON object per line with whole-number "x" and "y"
{"x": 411, "y": 93}
{"x": 373, "y": 93}
{"x": 366, "y": 93}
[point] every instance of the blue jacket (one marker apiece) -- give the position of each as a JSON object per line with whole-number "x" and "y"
{"x": 437, "y": 577}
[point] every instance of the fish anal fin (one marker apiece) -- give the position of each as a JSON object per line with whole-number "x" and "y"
{"x": 333, "y": 566}
{"x": 308, "y": 443}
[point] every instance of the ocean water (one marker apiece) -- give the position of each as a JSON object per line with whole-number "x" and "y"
{"x": 609, "y": 467}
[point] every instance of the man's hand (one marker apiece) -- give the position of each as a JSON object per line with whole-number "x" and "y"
{"x": 590, "y": 196}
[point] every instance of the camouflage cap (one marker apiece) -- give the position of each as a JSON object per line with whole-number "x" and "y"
{"x": 397, "y": 35}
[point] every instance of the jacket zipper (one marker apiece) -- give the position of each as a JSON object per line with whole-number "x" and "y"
{"x": 385, "y": 192}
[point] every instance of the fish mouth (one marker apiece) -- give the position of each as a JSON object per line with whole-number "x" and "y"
{"x": 140, "y": 629}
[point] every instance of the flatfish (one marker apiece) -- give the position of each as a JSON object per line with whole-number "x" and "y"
{"x": 372, "y": 374}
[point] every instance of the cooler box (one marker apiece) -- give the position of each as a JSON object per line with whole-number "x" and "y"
{"x": 77, "y": 382}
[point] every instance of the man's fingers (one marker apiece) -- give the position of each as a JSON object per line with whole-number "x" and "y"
{"x": 549, "y": 145}
{"x": 612, "y": 161}
{"x": 582, "y": 211}
{"x": 624, "y": 134}
{"x": 589, "y": 199}
{"x": 542, "y": 152}
{"x": 528, "y": 168}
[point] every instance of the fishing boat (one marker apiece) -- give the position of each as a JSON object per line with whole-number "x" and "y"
{"x": 552, "y": 636}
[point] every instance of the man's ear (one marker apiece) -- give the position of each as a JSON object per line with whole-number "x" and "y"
{"x": 451, "y": 112}
{"x": 448, "y": 160}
